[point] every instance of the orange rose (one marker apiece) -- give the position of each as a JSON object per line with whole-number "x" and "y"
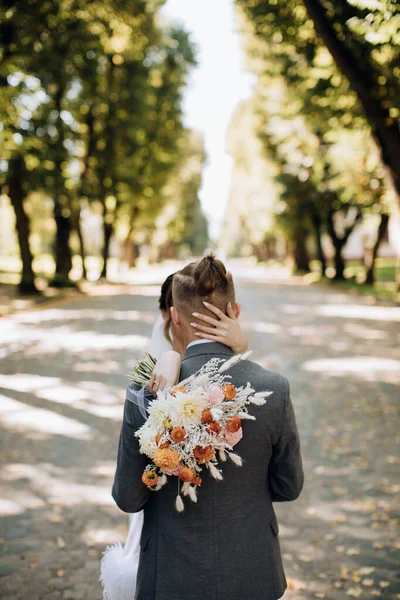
{"x": 164, "y": 444}
{"x": 166, "y": 458}
{"x": 206, "y": 416}
{"x": 150, "y": 478}
{"x": 180, "y": 388}
{"x": 229, "y": 391}
{"x": 214, "y": 427}
{"x": 186, "y": 474}
{"x": 197, "y": 480}
{"x": 233, "y": 424}
{"x": 203, "y": 455}
{"x": 178, "y": 434}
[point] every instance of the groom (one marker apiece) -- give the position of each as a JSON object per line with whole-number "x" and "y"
{"x": 226, "y": 546}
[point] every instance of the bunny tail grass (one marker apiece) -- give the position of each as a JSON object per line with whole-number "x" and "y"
{"x": 257, "y": 401}
{"x": 216, "y": 473}
{"x": 192, "y": 494}
{"x": 236, "y": 459}
{"x": 180, "y": 507}
{"x": 222, "y": 455}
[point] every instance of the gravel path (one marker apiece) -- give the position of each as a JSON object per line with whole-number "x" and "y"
{"x": 62, "y": 378}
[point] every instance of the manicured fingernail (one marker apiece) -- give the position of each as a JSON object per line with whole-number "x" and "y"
{"x": 205, "y": 303}
{"x": 195, "y": 314}
{"x": 193, "y": 324}
{"x": 197, "y": 334}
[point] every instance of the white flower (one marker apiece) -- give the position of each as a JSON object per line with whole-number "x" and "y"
{"x": 216, "y": 413}
{"x": 186, "y": 409}
{"x": 159, "y": 411}
{"x": 147, "y": 439}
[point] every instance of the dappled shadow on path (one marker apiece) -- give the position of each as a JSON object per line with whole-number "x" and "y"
{"x": 62, "y": 380}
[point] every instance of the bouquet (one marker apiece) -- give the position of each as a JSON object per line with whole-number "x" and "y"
{"x": 195, "y": 425}
{"x": 143, "y": 370}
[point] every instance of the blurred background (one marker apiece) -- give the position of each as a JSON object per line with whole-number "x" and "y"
{"x": 139, "y": 131}
{"x": 137, "y": 135}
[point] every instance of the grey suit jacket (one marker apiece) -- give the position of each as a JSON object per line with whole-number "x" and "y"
{"x": 226, "y": 546}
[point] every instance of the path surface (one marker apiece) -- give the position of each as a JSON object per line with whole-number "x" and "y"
{"x": 62, "y": 378}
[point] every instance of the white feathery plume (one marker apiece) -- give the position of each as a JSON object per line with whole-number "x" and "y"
{"x": 257, "y": 401}
{"x": 192, "y": 494}
{"x": 216, "y": 473}
{"x": 180, "y": 507}
{"x": 246, "y": 355}
{"x": 187, "y": 380}
{"x": 216, "y": 413}
{"x": 244, "y": 416}
{"x": 197, "y": 468}
{"x": 161, "y": 482}
{"x": 235, "y": 458}
{"x": 263, "y": 394}
{"x": 222, "y": 455}
{"x": 185, "y": 488}
{"x": 229, "y": 363}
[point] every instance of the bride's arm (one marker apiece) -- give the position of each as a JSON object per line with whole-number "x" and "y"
{"x": 166, "y": 371}
{"x": 224, "y": 328}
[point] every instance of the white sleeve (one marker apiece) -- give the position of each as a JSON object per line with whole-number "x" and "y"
{"x": 158, "y": 343}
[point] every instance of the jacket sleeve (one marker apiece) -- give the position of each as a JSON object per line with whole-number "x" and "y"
{"x": 129, "y": 492}
{"x": 285, "y": 472}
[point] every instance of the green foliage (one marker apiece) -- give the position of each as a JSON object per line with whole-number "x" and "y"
{"x": 90, "y": 98}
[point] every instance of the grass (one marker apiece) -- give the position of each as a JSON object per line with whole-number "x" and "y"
{"x": 384, "y": 287}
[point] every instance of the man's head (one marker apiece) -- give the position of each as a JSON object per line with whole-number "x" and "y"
{"x": 204, "y": 281}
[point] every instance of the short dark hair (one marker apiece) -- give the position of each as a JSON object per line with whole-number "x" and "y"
{"x": 205, "y": 280}
{"x": 165, "y": 299}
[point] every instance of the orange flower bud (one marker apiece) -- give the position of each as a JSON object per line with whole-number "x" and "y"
{"x": 214, "y": 427}
{"x": 150, "y": 478}
{"x": 203, "y": 455}
{"x": 197, "y": 480}
{"x": 206, "y": 416}
{"x": 164, "y": 444}
{"x": 180, "y": 388}
{"x": 178, "y": 434}
{"x": 229, "y": 391}
{"x": 186, "y": 474}
{"x": 233, "y": 424}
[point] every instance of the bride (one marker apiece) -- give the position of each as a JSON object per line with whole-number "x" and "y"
{"x": 119, "y": 564}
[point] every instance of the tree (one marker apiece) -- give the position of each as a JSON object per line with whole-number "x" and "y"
{"x": 362, "y": 43}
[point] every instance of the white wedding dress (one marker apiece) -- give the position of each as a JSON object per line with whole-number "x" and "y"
{"x": 119, "y": 565}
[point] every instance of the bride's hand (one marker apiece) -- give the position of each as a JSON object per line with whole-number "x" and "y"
{"x": 166, "y": 371}
{"x": 224, "y": 329}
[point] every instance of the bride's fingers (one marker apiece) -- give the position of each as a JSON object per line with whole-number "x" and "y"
{"x": 221, "y": 315}
{"x": 230, "y": 312}
{"x": 211, "y": 330}
{"x": 210, "y": 320}
{"x": 208, "y": 336}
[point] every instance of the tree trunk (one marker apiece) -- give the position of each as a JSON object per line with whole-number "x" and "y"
{"x": 339, "y": 261}
{"x": 301, "y": 256}
{"x": 91, "y": 143}
{"x": 62, "y": 212}
{"x": 384, "y": 128}
{"x": 339, "y": 243}
{"x": 372, "y": 253}
{"x": 317, "y": 224}
{"x": 81, "y": 243}
{"x": 16, "y": 194}
{"x": 108, "y": 230}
